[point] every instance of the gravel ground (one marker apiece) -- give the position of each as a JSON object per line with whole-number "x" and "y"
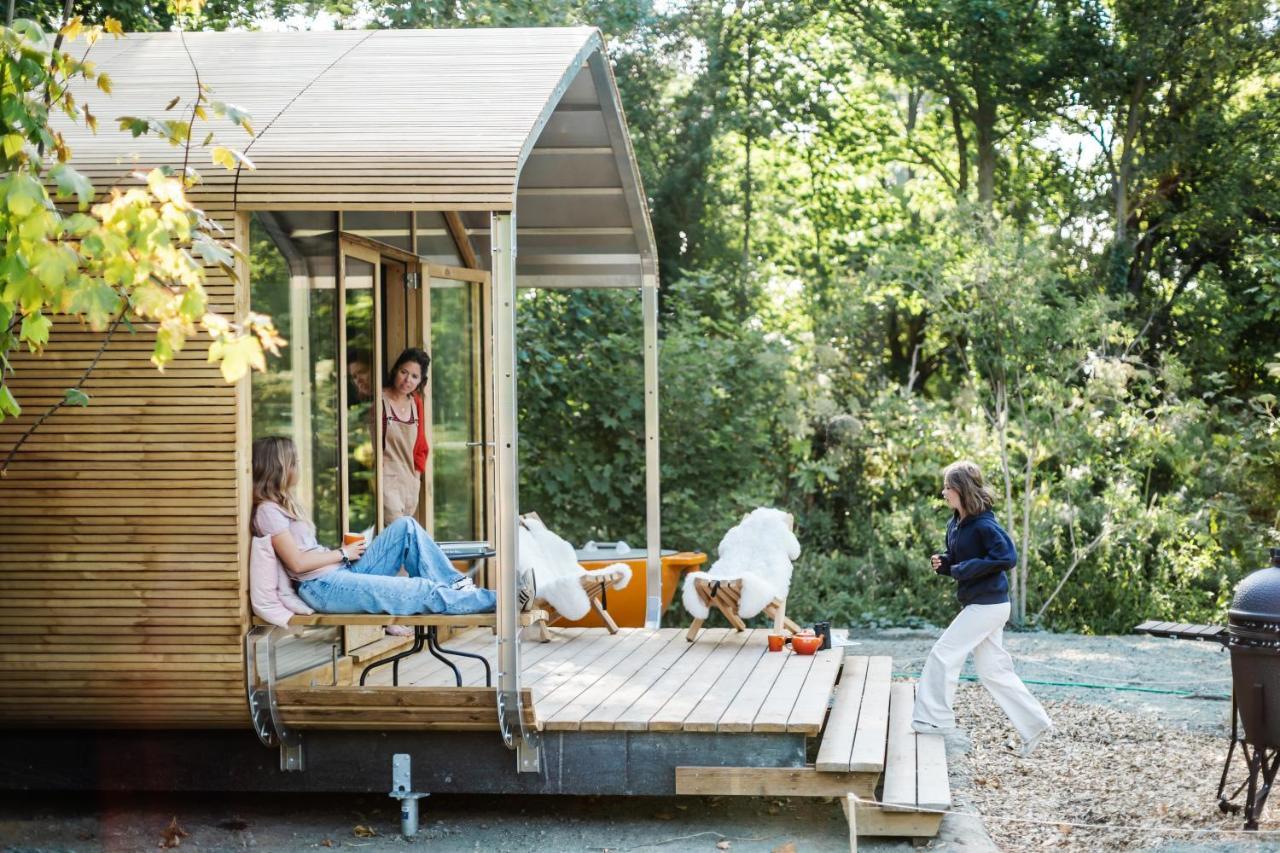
{"x": 1146, "y": 763}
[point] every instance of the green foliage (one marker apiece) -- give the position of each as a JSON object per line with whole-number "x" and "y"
{"x": 127, "y": 257}
{"x": 1041, "y": 237}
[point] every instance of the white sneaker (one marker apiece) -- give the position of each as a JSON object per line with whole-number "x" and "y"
{"x": 463, "y": 582}
{"x": 1030, "y": 746}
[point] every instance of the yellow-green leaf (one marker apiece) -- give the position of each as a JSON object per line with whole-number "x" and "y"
{"x": 35, "y": 330}
{"x": 113, "y": 26}
{"x": 223, "y": 156}
{"x": 13, "y": 143}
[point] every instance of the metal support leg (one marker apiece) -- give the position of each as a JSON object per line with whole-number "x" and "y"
{"x": 419, "y": 639}
{"x": 488, "y": 671}
{"x": 435, "y": 653}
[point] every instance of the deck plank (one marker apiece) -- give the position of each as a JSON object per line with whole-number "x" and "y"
{"x": 707, "y": 713}
{"x": 670, "y": 717}
{"x": 815, "y": 695}
{"x": 552, "y": 671}
{"x": 636, "y": 717}
{"x": 900, "y": 760}
{"x": 842, "y": 723}
{"x": 570, "y": 716}
{"x": 777, "y": 706}
{"x": 873, "y": 718}
{"x": 625, "y": 642}
{"x": 741, "y": 713}
{"x": 604, "y": 715}
{"x": 933, "y": 787}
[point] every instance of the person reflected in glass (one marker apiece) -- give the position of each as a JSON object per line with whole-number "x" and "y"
{"x": 404, "y": 434}
{"x": 360, "y": 372}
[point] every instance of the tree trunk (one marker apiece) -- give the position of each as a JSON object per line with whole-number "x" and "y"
{"x": 962, "y": 149}
{"x": 1125, "y": 172}
{"x": 984, "y": 121}
{"x": 748, "y": 91}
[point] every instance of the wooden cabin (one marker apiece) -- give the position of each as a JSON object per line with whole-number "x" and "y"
{"x": 406, "y": 184}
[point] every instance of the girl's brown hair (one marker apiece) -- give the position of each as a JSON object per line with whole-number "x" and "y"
{"x": 965, "y": 478}
{"x": 275, "y": 467}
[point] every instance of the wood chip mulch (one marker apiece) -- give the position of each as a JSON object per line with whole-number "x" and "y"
{"x": 1103, "y": 766}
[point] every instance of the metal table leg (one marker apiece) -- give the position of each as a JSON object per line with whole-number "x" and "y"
{"x": 419, "y": 640}
{"x": 432, "y": 641}
{"x": 434, "y": 648}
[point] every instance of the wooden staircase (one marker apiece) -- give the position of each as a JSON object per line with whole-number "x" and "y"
{"x": 869, "y": 731}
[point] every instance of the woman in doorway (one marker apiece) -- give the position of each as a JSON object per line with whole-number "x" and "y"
{"x": 404, "y": 434}
{"x": 978, "y": 554}
{"x": 354, "y": 578}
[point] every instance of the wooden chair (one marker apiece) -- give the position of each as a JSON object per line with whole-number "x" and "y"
{"x": 724, "y": 596}
{"x": 597, "y": 588}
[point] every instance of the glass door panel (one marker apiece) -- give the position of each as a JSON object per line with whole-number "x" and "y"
{"x": 456, "y": 410}
{"x": 362, "y": 401}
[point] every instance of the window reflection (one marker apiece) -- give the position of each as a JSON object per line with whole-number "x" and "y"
{"x": 362, "y": 384}
{"x": 292, "y": 258}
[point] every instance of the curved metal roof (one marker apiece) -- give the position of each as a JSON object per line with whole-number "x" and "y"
{"x": 465, "y": 120}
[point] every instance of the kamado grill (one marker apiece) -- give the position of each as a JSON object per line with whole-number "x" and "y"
{"x": 1253, "y": 636}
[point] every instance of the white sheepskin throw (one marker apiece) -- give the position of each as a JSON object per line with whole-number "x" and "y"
{"x": 758, "y": 551}
{"x": 549, "y": 569}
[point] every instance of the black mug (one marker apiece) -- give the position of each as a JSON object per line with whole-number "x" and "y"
{"x": 823, "y": 630}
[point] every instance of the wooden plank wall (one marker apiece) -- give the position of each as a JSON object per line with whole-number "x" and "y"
{"x": 122, "y": 596}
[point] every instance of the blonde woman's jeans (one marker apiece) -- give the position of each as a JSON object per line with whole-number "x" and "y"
{"x": 979, "y": 628}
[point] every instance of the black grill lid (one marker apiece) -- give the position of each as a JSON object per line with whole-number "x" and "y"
{"x": 1257, "y": 597}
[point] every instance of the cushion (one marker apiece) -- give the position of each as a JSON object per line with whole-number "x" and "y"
{"x": 270, "y": 590}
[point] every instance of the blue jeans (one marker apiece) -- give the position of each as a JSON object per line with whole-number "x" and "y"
{"x": 372, "y": 584}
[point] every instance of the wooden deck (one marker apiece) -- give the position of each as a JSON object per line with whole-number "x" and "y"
{"x": 638, "y": 680}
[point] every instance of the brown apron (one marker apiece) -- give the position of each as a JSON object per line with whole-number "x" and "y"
{"x": 402, "y": 484}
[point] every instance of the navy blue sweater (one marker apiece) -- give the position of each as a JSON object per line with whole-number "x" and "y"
{"x": 978, "y": 554}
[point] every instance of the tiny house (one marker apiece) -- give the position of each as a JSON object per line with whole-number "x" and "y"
{"x": 407, "y": 183}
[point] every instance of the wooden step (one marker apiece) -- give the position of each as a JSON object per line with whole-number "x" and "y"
{"x": 858, "y": 725}
{"x": 915, "y": 773}
{"x": 378, "y": 649}
{"x": 405, "y": 708}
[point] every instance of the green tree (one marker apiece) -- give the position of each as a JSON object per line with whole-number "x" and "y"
{"x": 132, "y": 257}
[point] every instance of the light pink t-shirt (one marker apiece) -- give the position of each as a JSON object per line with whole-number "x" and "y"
{"x": 271, "y": 519}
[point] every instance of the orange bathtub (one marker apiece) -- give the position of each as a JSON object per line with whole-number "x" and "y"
{"x": 626, "y": 605}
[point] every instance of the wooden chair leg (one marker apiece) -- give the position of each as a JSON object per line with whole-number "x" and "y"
{"x": 779, "y": 615}
{"x": 544, "y": 633}
{"x": 604, "y": 615}
{"x": 693, "y": 630}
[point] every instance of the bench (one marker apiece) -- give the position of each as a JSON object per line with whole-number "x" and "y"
{"x": 425, "y": 635}
{"x": 869, "y": 731}
{"x": 724, "y": 596}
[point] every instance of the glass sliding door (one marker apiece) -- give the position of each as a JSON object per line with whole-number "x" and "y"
{"x": 292, "y": 276}
{"x": 458, "y": 404}
{"x": 362, "y": 399}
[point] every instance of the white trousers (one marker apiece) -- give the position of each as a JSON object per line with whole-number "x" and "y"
{"x": 979, "y": 628}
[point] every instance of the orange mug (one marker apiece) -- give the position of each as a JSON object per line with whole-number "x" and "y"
{"x": 775, "y": 642}
{"x": 351, "y": 538}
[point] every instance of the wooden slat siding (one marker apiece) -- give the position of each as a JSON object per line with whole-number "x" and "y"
{"x": 121, "y": 592}
{"x": 468, "y": 98}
